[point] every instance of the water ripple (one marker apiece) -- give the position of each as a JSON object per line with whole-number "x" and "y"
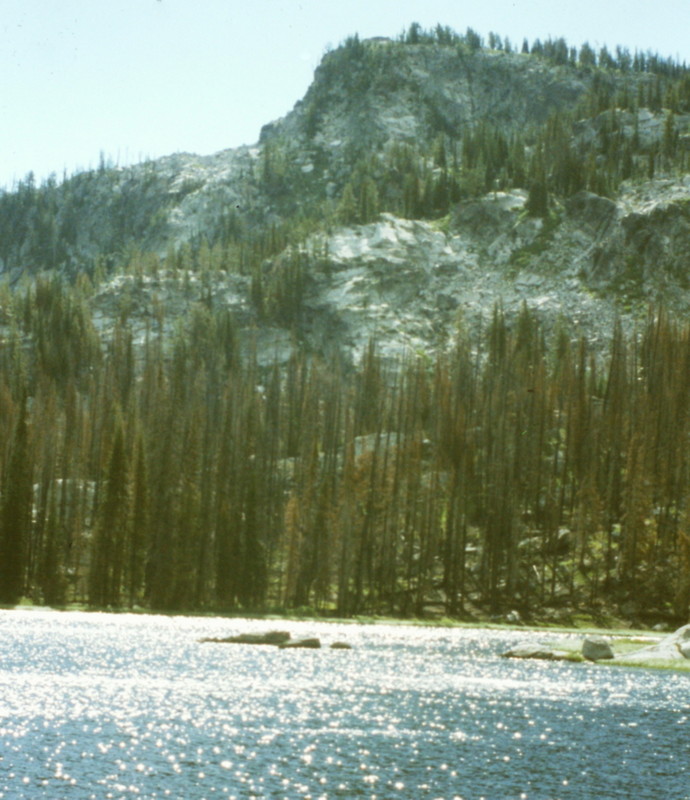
{"x": 97, "y": 706}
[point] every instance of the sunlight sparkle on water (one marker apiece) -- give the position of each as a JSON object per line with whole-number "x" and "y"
{"x": 125, "y": 706}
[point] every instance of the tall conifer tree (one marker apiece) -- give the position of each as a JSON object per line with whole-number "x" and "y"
{"x": 15, "y": 514}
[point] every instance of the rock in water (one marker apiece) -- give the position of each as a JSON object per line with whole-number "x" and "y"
{"x": 595, "y": 648}
{"x": 307, "y": 643}
{"x": 540, "y": 651}
{"x": 271, "y": 637}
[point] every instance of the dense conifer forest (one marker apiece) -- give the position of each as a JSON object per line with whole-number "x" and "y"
{"x": 515, "y": 472}
{"x": 522, "y": 470}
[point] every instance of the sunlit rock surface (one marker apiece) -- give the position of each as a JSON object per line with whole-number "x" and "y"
{"x": 310, "y": 643}
{"x": 411, "y": 284}
{"x": 675, "y": 647}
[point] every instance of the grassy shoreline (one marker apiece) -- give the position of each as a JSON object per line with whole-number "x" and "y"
{"x": 585, "y": 625}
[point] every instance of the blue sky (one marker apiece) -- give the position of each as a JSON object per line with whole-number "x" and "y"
{"x": 144, "y": 78}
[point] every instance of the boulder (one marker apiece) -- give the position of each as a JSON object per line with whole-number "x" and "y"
{"x": 271, "y": 637}
{"x": 595, "y": 648}
{"x": 306, "y": 643}
{"x": 675, "y": 647}
{"x": 341, "y": 646}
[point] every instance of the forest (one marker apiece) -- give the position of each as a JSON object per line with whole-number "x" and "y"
{"x": 517, "y": 472}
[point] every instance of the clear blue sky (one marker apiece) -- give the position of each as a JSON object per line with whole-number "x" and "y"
{"x": 144, "y": 78}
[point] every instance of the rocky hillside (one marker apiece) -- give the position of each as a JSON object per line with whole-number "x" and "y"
{"x": 417, "y": 184}
{"x": 227, "y": 382}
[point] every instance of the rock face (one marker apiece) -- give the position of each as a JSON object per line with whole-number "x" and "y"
{"x": 596, "y": 648}
{"x": 675, "y": 647}
{"x": 415, "y": 89}
{"x": 405, "y": 282}
{"x": 410, "y": 282}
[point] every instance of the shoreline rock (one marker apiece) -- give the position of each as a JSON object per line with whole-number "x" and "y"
{"x": 672, "y": 648}
{"x": 596, "y": 648}
{"x": 312, "y": 644}
{"x": 271, "y": 637}
{"x": 540, "y": 652}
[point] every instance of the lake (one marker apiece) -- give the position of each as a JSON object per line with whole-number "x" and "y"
{"x": 132, "y": 706}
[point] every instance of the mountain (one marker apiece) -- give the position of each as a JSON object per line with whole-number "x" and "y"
{"x": 452, "y": 142}
{"x": 397, "y": 357}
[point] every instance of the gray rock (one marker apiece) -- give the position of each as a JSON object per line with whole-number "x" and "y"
{"x": 541, "y": 652}
{"x": 405, "y": 283}
{"x": 301, "y": 643}
{"x": 675, "y": 647}
{"x": 529, "y": 281}
{"x": 595, "y": 648}
{"x": 271, "y": 637}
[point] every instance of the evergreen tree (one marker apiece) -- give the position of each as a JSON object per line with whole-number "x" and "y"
{"x": 15, "y": 513}
{"x": 107, "y": 561}
{"x": 139, "y": 530}
{"x": 538, "y": 198}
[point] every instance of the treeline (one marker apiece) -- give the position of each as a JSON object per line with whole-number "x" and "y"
{"x": 513, "y": 473}
{"x": 66, "y": 224}
{"x": 596, "y": 144}
{"x": 556, "y": 51}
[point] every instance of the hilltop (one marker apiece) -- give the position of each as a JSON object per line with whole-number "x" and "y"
{"x": 550, "y": 176}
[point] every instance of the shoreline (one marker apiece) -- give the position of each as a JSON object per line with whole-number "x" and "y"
{"x": 618, "y": 626}
{"x": 624, "y": 640}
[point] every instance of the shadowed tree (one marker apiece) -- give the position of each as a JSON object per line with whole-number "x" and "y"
{"x": 112, "y": 522}
{"x": 15, "y": 514}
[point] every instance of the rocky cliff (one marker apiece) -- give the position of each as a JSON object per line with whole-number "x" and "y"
{"x": 396, "y": 200}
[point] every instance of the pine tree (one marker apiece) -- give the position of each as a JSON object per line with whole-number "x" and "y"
{"x": 139, "y": 531}
{"x": 538, "y": 198}
{"x": 15, "y": 513}
{"x": 112, "y": 525}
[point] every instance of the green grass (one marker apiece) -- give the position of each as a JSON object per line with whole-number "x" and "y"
{"x": 659, "y": 663}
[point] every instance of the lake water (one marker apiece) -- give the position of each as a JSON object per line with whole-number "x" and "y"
{"x": 125, "y": 706}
